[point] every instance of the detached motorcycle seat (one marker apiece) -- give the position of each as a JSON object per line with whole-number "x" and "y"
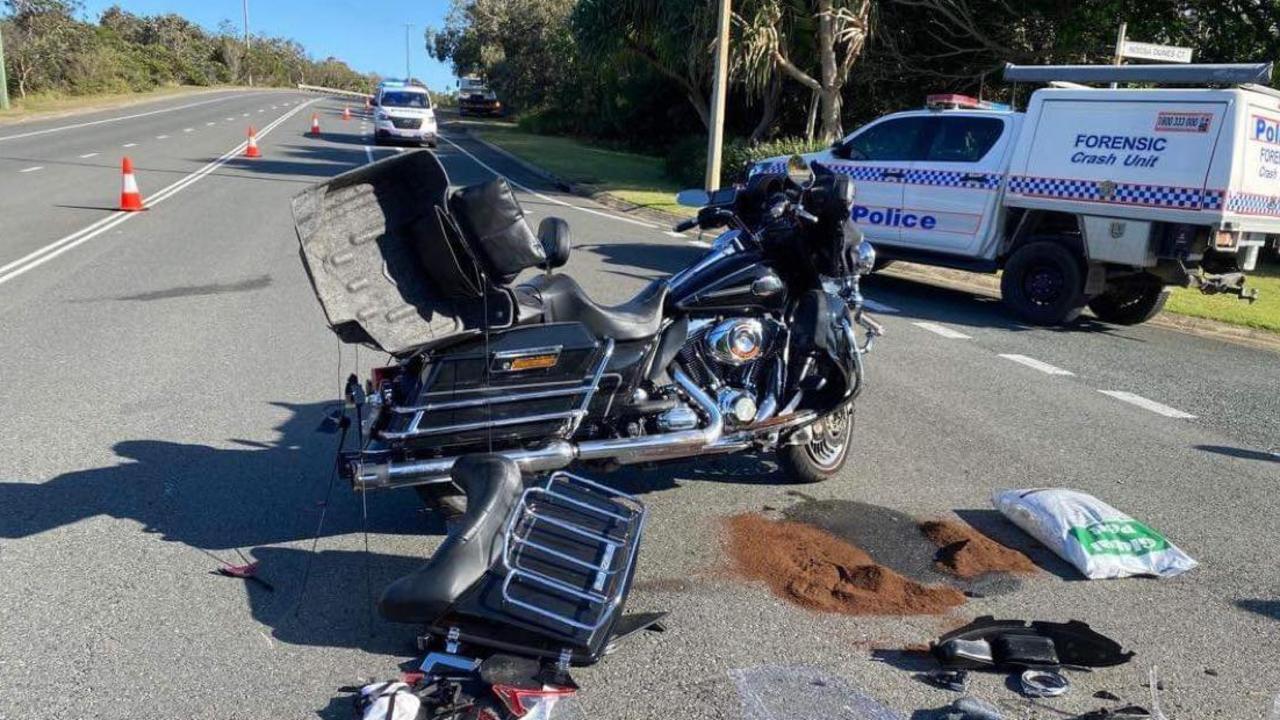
{"x": 493, "y": 486}
{"x": 561, "y": 299}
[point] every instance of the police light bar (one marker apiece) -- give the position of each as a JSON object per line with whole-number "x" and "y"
{"x": 953, "y": 101}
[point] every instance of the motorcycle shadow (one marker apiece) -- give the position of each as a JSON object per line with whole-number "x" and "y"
{"x": 743, "y": 468}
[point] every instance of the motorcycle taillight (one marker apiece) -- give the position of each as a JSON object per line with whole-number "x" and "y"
{"x": 524, "y": 702}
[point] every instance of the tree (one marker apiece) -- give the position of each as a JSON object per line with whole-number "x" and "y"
{"x": 814, "y": 42}
{"x": 43, "y": 39}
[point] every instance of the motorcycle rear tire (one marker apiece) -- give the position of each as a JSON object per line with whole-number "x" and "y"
{"x": 444, "y": 498}
{"x": 824, "y": 456}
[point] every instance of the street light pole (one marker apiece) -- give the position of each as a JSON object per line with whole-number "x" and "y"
{"x": 4, "y": 80}
{"x": 248, "y": 67}
{"x": 407, "y": 73}
{"x": 716, "y": 136}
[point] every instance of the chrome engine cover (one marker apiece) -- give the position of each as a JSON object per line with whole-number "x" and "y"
{"x": 736, "y": 341}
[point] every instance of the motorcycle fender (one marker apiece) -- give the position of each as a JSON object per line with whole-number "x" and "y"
{"x": 817, "y": 327}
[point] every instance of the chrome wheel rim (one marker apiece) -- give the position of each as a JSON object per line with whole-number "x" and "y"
{"x": 830, "y": 437}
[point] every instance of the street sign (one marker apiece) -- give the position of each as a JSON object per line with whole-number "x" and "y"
{"x": 1159, "y": 53}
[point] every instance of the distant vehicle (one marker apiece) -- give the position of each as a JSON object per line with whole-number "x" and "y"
{"x": 475, "y": 98}
{"x": 1093, "y": 197}
{"x": 403, "y": 111}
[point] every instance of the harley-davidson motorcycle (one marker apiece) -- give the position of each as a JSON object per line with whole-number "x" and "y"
{"x": 753, "y": 346}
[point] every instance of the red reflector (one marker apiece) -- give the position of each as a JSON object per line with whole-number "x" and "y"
{"x": 521, "y": 701}
{"x": 951, "y": 99}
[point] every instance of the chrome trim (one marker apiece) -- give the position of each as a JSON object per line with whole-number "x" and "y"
{"x": 415, "y": 431}
{"x": 377, "y": 476}
{"x": 595, "y": 385}
{"x": 476, "y": 402}
{"x": 666, "y": 445}
{"x": 526, "y": 352}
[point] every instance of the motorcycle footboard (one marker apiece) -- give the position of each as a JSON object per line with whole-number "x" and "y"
{"x": 569, "y": 552}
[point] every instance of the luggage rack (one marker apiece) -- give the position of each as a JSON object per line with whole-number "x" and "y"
{"x": 570, "y": 416}
{"x": 569, "y": 551}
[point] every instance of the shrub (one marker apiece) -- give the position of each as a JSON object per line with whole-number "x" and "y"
{"x": 686, "y": 159}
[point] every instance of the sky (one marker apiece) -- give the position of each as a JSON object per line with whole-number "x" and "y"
{"x": 367, "y": 34}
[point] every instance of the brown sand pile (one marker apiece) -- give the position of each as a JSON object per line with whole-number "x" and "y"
{"x": 818, "y": 570}
{"x": 967, "y": 553}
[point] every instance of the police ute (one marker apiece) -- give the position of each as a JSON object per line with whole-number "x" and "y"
{"x": 1094, "y": 196}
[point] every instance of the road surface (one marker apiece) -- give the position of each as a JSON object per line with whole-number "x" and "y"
{"x": 167, "y": 377}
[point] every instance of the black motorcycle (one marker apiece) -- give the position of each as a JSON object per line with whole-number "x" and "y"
{"x": 753, "y": 346}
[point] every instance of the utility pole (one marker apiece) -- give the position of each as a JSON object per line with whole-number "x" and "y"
{"x": 4, "y": 80}
{"x": 407, "y": 73}
{"x": 718, "y": 91}
{"x": 1119, "y": 58}
{"x": 248, "y": 68}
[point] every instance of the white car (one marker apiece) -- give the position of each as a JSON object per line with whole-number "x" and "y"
{"x": 403, "y": 112}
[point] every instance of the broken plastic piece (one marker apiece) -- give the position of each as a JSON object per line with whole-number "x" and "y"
{"x": 954, "y": 680}
{"x": 1019, "y": 644}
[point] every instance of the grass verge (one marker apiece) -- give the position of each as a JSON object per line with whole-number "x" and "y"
{"x": 1263, "y": 314}
{"x": 39, "y": 105}
{"x": 636, "y": 179}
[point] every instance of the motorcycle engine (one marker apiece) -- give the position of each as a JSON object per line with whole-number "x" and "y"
{"x": 727, "y": 357}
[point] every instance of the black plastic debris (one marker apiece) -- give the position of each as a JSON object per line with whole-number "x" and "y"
{"x": 972, "y": 708}
{"x": 990, "y": 644}
{"x": 954, "y": 680}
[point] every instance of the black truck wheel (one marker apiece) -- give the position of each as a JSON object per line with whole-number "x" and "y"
{"x": 1044, "y": 284}
{"x": 1131, "y": 302}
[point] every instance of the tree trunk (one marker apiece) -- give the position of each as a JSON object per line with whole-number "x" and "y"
{"x": 830, "y": 95}
{"x": 813, "y": 116}
{"x": 770, "y": 109}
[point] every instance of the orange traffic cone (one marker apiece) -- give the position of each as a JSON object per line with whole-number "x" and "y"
{"x": 251, "y": 150}
{"x": 346, "y": 113}
{"x": 130, "y": 198}
{"x": 315, "y": 125}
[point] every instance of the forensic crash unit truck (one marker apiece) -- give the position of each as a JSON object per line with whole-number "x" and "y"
{"x": 1094, "y": 196}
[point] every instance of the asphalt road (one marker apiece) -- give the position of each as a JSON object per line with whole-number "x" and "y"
{"x": 167, "y": 375}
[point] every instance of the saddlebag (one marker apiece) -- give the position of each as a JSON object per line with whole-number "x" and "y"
{"x": 530, "y": 382}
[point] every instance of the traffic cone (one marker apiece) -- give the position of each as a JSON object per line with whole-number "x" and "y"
{"x": 130, "y": 198}
{"x": 251, "y": 150}
{"x": 315, "y": 125}
{"x": 346, "y": 113}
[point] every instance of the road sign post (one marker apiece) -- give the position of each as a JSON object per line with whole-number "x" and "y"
{"x": 716, "y": 134}
{"x": 4, "y": 79}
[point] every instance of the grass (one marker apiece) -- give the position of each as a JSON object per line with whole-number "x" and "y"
{"x": 633, "y": 178}
{"x": 43, "y": 104}
{"x": 1264, "y": 314}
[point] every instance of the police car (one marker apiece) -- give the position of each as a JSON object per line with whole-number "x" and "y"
{"x": 1093, "y": 197}
{"x": 402, "y": 111}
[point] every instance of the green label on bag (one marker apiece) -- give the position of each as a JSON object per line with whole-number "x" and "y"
{"x": 1128, "y": 537}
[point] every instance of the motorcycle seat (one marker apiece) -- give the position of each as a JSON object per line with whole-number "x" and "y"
{"x": 560, "y": 299}
{"x": 493, "y": 486}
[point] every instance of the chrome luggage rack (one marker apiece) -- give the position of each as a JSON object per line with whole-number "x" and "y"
{"x": 571, "y": 416}
{"x": 569, "y": 551}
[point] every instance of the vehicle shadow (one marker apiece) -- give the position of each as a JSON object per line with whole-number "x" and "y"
{"x": 1265, "y": 608}
{"x": 662, "y": 257}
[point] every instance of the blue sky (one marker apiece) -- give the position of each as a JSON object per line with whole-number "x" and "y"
{"x": 368, "y": 34}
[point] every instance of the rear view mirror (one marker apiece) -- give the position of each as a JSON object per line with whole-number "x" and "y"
{"x": 798, "y": 169}
{"x": 693, "y": 197}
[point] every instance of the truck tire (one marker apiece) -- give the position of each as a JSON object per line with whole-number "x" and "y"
{"x": 821, "y": 458}
{"x": 1044, "y": 284}
{"x": 1130, "y": 303}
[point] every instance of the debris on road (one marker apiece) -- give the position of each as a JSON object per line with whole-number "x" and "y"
{"x": 971, "y": 708}
{"x": 822, "y": 572}
{"x": 248, "y": 571}
{"x": 1043, "y": 683}
{"x": 967, "y": 553}
{"x": 1099, "y": 540}
{"x": 990, "y": 644}
{"x": 954, "y": 680}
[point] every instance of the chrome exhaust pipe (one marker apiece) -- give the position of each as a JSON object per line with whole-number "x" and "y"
{"x": 559, "y": 454}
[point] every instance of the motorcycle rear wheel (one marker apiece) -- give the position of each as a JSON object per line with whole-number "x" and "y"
{"x": 823, "y": 456}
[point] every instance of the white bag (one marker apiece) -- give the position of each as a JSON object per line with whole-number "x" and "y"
{"x": 1099, "y": 540}
{"x": 389, "y": 701}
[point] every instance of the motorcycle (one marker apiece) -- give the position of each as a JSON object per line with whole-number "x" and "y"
{"x": 753, "y": 346}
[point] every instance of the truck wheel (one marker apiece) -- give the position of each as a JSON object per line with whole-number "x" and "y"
{"x": 824, "y": 455}
{"x": 444, "y": 498}
{"x": 1043, "y": 284}
{"x": 1132, "y": 302}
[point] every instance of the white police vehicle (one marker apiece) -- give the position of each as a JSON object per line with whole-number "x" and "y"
{"x": 1093, "y": 196}
{"x": 402, "y": 111}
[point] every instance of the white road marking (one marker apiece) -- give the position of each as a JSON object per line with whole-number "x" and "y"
{"x": 942, "y": 330}
{"x": 1152, "y": 405}
{"x": 32, "y": 169}
{"x": 188, "y": 129}
{"x": 540, "y": 196}
{"x": 88, "y": 155}
{"x": 368, "y": 152}
{"x": 1031, "y": 362}
{"x": 114, "y": 119}
{"x": 162, "y": 137}
{"x": 40, "y": 256}
{"x": 874, "y": 306}
{"x": 229, "y": 119}
{"x": 245, "y": 115}
{"x": 129, "y": 145}
{"x": 673, "y": 233}
{"x": 210, "y": 123}
{"x": 261, "y": 110}
{"x": 700, "y": 243}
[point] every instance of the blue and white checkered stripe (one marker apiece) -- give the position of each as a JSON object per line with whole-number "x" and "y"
{"x": 1122, "y": 194}
{"x": 767, "y": 167}
{"x": 1252, "y": 204}
{"x": 867, "y": 173}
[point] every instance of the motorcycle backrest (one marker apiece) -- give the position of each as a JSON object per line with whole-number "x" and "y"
{"x": 494, "y": 223}
{"x": 553, "y": 233}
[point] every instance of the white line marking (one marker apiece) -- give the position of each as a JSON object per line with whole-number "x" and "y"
{"x": 539, "y": 195}
{"x": 879, "y": 307}
{"x": 1043, "y": 367}
{"x": 129, "y": 145}
{"x": 942, "y": 330}
{"x": 700, "y": 243}
{"x": 188, "y": 129}
{"x": 261, "y": 110}
{"x": 32, "y": 169}
{"x": 673, "y": 233}
{"x": 162, "y": 137}
{"x": 114, "y": 119}
{"x": 1152, "y": 405}
{"x": 210, "y": 123}
{"x": 229, "y": 119}
{"x": 40, "y": 256}
{"x": 245, "y": 115}
{"x": 368, "y": 152}
{"x": 87, "y": 155}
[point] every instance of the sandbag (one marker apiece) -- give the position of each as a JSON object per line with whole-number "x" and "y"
{"x": 1099, "y": 540}
{"x": 388, "y": 701}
